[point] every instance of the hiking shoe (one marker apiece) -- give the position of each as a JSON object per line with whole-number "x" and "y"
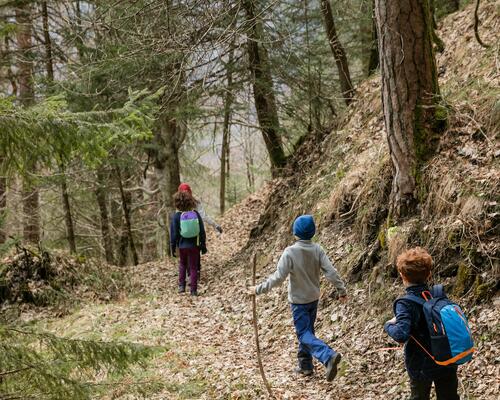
{"x": 194, "y": 293}
{"x": 305, "y": 372}
{"x": 182, "y": 289}
{"x": 331, "y": 367}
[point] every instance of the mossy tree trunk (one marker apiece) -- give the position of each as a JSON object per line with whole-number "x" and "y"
{"x": 338, "y": 52}
{"x": 263, "y": 91}
{"x": 410, "y": 94}
{"x": 31, "y": 201}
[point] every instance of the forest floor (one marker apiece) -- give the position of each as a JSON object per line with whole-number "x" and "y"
{"x": 207, "y": 342}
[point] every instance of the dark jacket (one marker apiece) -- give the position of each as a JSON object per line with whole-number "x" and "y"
{"x": 410, "y": 322}
{"x": 176, "y": 240}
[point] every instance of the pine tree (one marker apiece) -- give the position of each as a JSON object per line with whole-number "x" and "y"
{"x": 43, "y": 366}
{"x": 410, "y": 95}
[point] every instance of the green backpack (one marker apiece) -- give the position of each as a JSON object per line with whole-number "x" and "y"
{"x": 190, "y": 226}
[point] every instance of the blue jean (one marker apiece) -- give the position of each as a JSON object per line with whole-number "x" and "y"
{"x": 304, "y": 316}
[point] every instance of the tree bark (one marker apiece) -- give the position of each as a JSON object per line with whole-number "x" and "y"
{"x": 338, "y": 52}
{"x": 410, "y": 94}
{"x": 31, "y": 202}
{"x": 265, "y": 102}
{"x": 226, "y": 130}
{"x": 100, "y": 193}
{"x": 126, "y": 198}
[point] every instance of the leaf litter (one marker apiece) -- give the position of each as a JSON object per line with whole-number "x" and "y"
{"x": 208, "y": 341}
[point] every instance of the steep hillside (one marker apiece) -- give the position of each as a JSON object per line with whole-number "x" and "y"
{"x": 344, "y": 179}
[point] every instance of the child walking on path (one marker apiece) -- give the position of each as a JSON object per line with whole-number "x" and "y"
{"x": 415, "y": 267}
{"x": 187, "y": 233}
{"x": 303, "y": 262}
{"x": 184, "y": 187}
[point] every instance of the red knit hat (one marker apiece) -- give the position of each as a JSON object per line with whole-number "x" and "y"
{"x": 184, "y": 187}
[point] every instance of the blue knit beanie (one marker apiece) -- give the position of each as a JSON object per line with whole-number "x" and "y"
{"x": 304, "y": 227}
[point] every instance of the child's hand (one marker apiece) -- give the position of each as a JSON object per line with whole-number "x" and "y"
{"x": 250, "y": 291}
{"x": 391, "y": 321}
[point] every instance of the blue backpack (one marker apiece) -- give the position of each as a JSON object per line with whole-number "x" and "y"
{"x": 451, "y": 338}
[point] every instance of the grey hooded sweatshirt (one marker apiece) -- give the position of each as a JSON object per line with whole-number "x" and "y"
{"x": 303, "y": 261}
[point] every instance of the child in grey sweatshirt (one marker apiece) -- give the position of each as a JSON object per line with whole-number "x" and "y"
{"x": 304, "y": 262}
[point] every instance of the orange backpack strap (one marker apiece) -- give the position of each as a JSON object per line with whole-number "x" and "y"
{"x": 426, "y": 295}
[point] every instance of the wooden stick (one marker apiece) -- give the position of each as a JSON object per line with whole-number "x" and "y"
{"x": 256, "y": 330}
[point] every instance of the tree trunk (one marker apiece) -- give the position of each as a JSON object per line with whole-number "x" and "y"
{"x": 165, "y": 153}
{"x": 167, "y": 162}
{"x": 79, "y": 39}
{"x": 49, "y": 65}
{"x": 68, "y": 218}
{"x": 249, "y": 163}
{"x": 338, "y": 52}
{"x": 373, "y": 60}
{"x": 265, "y": 102}
{"x": 100, "y": 193}
{"x": 48, "y": 43}
{"x": 31, "y": 225}
{"x": 119, "y": 231}
{"x": 409, "y": 93}
{"x": 126, "y": 198}
{"x": 226, "y": 130}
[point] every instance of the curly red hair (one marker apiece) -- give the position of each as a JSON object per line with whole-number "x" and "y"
{"x": 415, "y": 265}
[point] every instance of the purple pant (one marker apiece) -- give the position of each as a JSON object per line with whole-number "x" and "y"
{"x": 189, "y": 258}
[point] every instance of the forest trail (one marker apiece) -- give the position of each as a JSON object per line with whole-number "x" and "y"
{"x": 87, "y": 134}
{"x": 208, "y": 349}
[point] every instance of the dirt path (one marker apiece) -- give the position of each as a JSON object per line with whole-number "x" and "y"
{"x": 209, "y": 339}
